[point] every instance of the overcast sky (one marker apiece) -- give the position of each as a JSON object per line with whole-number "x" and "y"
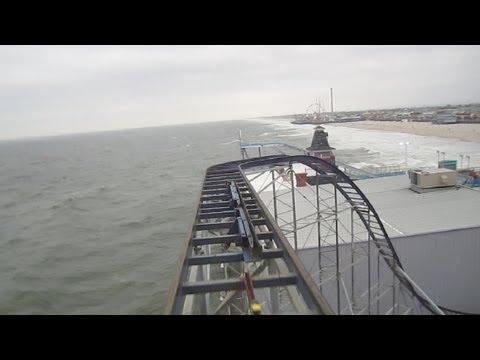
{"x": 49, "y": 90}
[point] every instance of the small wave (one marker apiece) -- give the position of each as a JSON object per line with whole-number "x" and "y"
{"x": 363, "y": 165}
{"x": 66, "y": 203}
{"x": 290, "y": 135}
{"x": 138, "y": 223}
{"x": 141, "y": 164}
{"x": 14, "y": 240}
{"x": 39, "y": 162}
{"x": 57, "y": 205}
{"x": 79, "y": 195}
{"x": 20, "y": 177}
{"x": 9, "y": 205}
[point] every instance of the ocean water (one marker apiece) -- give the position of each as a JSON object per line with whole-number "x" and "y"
{"x": 93, "y": 223}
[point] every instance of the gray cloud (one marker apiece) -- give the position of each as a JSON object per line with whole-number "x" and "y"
{"x": 63, "y": 89}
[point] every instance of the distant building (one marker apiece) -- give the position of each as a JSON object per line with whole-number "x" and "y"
{"x": 426, "y": 116}
{"x": 350, "y": 118}
{"x": 445, "y": 118}
{"x": 467, "y": 118}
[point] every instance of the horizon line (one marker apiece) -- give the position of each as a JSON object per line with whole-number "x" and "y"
{"x": 31, "y": 137}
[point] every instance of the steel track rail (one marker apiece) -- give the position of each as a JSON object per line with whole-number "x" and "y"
{"x": 214, "y": 195}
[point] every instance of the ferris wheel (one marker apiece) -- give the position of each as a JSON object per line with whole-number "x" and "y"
{"x": 315, "y": 110}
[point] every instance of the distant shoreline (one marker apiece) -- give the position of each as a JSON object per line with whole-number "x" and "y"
{"x": 466, "y": 132}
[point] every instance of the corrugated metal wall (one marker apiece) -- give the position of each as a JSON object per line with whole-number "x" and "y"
{"x": 446, "y": 265}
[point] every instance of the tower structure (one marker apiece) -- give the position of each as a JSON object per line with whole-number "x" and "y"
{"x": 331, "y": 100}
{"x": 320, "y": 147}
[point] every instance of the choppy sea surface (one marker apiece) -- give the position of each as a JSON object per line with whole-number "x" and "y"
{"x": 93, "y": 223}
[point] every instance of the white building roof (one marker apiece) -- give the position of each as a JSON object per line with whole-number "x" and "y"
{"x": 402, "y": 211}
{"x": 413, "y": 213}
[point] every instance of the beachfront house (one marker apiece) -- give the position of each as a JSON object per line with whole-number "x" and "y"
{"x": 445, "y": 118}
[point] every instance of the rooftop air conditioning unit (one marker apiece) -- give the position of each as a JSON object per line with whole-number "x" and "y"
{"x": 425, "y": 180}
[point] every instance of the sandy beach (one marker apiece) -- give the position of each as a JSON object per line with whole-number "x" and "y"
{"x": 466, "y": 132}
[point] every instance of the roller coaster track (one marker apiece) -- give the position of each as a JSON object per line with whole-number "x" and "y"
{"x": 231, "y": 210}
{"x": 216, "y": 203}
{"x": 365, "y": 211}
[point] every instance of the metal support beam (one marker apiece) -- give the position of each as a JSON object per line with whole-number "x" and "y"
{"x": 217, "y": 214}
{"x": 294, "y": 212}
{"x": 273, "y": 291}
{"x": 214, "y": 225}
{"x": 337, "y": 262}
{"x": 378, "y": 283}
{"x": 369, "y": 267}
{"x": 275, "y": 212}
{"x": 319, "y": 237}
{"x": 230, "y": 257}
{"x": 236, "y": 284}
{"x": 230, "y": 296}
{"x": 220, "y": 239}
{"x": 352, "y": 250}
